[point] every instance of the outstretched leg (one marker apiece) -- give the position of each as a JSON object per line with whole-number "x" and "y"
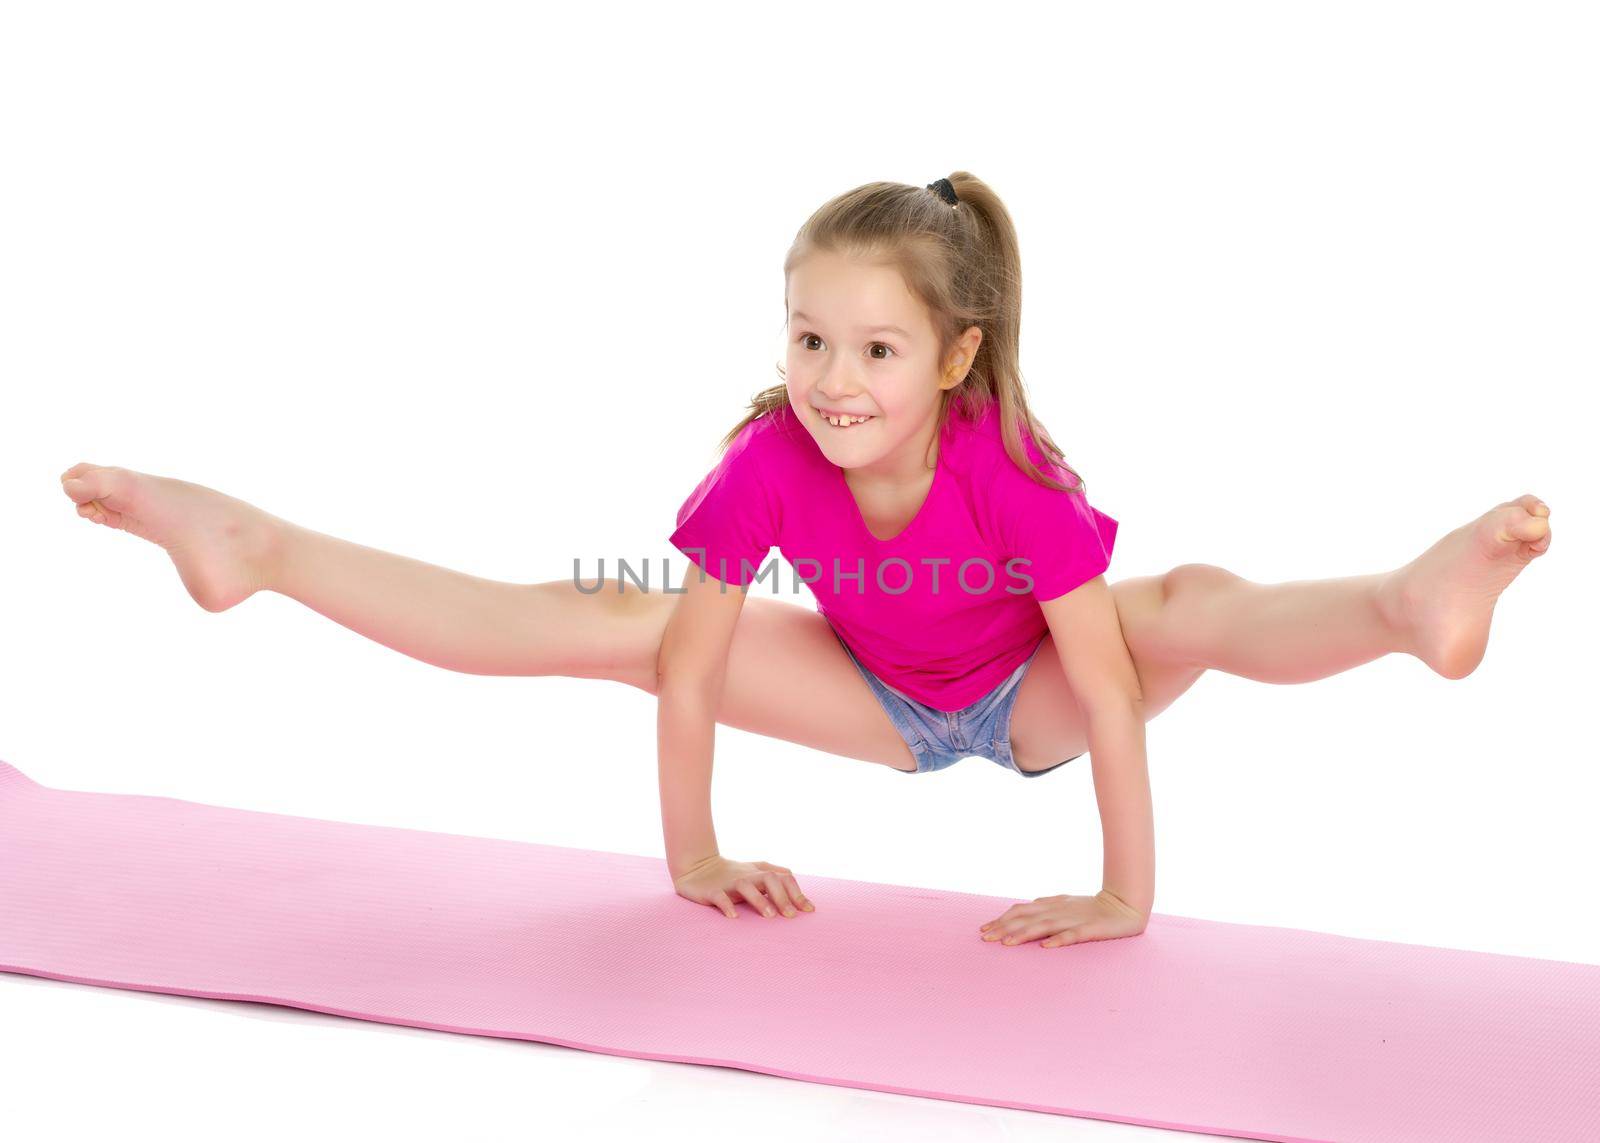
{"x": 1437, "y": 607}
{"x": 226, "y": 550}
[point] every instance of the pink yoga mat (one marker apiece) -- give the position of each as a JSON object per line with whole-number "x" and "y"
{"x": 1243, "y": 1030}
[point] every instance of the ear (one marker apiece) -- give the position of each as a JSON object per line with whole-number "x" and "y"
{"x": 962, "y": 356}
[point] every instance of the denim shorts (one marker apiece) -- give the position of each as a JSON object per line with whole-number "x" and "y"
{"x": 940, "y": 738}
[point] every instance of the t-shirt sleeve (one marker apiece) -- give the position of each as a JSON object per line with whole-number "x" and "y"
{"x": 727, "y": 526}
{"x": 1065, "y": 539}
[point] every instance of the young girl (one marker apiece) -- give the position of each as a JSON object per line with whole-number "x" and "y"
{"x": 956, "y": 563}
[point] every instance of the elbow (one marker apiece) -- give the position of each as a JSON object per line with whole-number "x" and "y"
{"x": 666, "y": 674}
{"x": 676, "y": 676}
{"x": 670, "y": 666}
{"x": 1118, "y": 688}
{"x": 1119, "y": 703}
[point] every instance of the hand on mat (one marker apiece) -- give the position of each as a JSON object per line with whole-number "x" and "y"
{"x": 1066, "y": 920}
{"x": 708, "y": 883}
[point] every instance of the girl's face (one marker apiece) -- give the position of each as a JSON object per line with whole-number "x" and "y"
{"x": 859, "y": 343}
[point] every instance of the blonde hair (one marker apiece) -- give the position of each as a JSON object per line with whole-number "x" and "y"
{"x": 963, "y": 262}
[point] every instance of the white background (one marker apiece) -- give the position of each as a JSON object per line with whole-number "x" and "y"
{"x": 1306, "y": 286}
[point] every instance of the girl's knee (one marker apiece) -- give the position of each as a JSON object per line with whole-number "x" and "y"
{"x": 1187, "y": 576}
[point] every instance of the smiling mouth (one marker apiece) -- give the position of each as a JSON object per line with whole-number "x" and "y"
{"x": 843, "y": 421}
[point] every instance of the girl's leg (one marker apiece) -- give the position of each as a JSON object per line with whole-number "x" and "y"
{"x": 1047, "y": 722}
{"x": 458, "y": 621}
{"x": 1198, "y": 617}
{"x": 486, "y": 627}
{"x": 1290, "y": 632}
{"x": 1176, "y": 625}
{"x": 1437, "y": 608}
{"x": 225, "y": 550}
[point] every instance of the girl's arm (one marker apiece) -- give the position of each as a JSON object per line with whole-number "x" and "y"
{"x": 691, "y": 667}
{"x": 1100, "y": 671}
{"x": 1088, "y": 638}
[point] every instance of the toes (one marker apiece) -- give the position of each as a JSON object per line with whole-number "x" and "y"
{"x": 1522, "y": 526}
{"x": 92, "y": 484}
{"x": 78, "y": 489}
{"x": 1533, "y": 505}
{"x": 96, "y": 490}
{"x": 98, "y": 513}
{"x": 1524, "y": 520}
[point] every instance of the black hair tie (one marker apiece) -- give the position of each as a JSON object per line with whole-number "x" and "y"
{"x": 946, "y": 191}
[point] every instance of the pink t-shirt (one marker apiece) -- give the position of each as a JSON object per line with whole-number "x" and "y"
{"x": 945, "y": 610}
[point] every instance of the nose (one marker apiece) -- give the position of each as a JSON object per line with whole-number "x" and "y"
{"x": 830, "y": 389}
{"x": 834, "y": 386}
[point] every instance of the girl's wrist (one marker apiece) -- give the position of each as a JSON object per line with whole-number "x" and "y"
{"x": 689, "y": 864}
{"x": 1138, "y": 903}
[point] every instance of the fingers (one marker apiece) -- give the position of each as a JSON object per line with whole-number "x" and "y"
{"x": 794, "y": 892}
{"x": 1025, "y": 931}
{"x": 747, "y": 889}
{"x": 1034, "y": 929}
{"x": 1059, "y": 928}
{"x": 751, "y": 888}
{"x": 1042, "y": 917}
{"x": 1006, "y": 921}
{"x": 778, "y": 888}
{"x": 770, "y": 892}
{"x": 1011, "y": 934}
{"x": 786, "y": 891}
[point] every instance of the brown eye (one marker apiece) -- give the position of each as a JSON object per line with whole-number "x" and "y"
{"x": 805, "y": 338}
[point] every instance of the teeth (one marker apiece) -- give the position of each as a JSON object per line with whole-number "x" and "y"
{"x": 840, "y": 422}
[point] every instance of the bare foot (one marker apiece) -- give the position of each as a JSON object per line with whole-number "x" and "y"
{"x": 223, "y": 547}
{"x": 1443, "y": 600}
